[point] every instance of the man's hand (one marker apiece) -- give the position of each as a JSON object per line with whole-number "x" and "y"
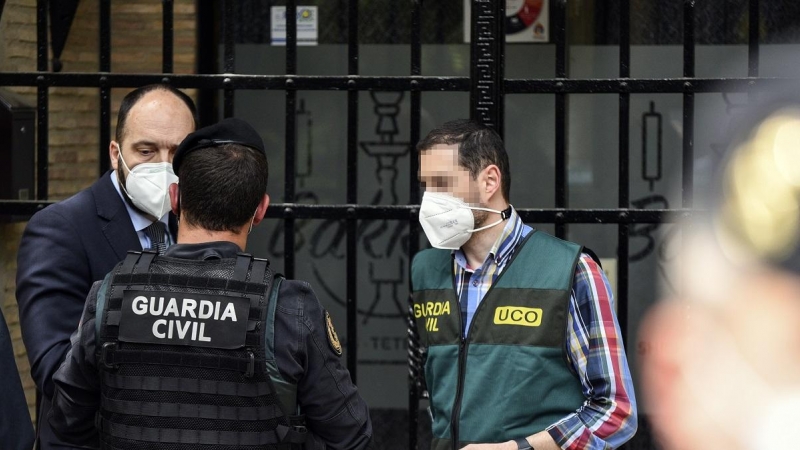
{"x": 540, "y": 441}
{"x": 509, "y": 445}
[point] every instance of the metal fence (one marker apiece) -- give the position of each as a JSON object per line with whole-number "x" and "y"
{"x": 486, "y": 84}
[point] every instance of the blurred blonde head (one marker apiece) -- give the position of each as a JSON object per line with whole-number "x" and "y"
{"x": 726, "y": 370}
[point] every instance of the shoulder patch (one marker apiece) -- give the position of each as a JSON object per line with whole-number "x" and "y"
{"x": 333, "y": 338}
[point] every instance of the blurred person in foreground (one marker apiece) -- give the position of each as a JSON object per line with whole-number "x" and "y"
{"x": 725, "y": 372}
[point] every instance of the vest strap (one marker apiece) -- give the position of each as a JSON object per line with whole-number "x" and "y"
{"x": 285, "y": 391}
{"x": 188, "y": 385}
{"x": 191, "y": 410}
{"x": 242, "y": 267}
{"x": 296, "y": 434}
{"x": 129, "y": 262}
{"x": 258, "y": 270}
{"x": 112, "y": 356}
{"x": 113, "y": 317}
{"x": 143, "y": 265}
{"x": 181, "y": 436}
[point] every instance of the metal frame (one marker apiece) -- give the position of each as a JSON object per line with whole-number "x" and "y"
{"x": 486, "y": 105}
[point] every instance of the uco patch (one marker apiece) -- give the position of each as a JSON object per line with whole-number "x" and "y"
{"x": 333, "y": 338}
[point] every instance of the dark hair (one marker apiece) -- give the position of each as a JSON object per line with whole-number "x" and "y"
{"x": 133, "y": 97}
{"x": 220, "y": 187}
{"x": 478, "y": 147}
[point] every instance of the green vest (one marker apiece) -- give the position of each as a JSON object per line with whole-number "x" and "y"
{"x": 509, "y": 377}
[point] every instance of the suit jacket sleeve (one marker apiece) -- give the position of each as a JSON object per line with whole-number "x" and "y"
{"x": 53, "y": 278}
{"x": 16, "y": 430}
{"x": 76, "y": 399}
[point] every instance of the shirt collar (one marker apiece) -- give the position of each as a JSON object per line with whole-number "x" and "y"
{"x": 503, "y": 246}
{"x": 139, "y": 220}
{"x": 204, "y": 251}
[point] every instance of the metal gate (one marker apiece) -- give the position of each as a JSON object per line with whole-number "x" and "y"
{"x": 486, "y": 84}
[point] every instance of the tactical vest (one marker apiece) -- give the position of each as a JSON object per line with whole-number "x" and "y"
{"x": 186, "y": 357}
{"x": 509, "y": 378}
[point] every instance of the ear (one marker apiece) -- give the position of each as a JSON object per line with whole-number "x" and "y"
{"x": 261, "y": 210}
{"x": 175, "y": 199}
{"x": 489, "y": 181}
{"x": 113, "y": 153}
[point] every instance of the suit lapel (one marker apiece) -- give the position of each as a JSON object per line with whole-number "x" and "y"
{"x": 118, "y": 228}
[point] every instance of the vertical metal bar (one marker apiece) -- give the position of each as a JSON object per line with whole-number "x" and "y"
{"x": 41, "y": 106}
{"x": 105, "y": 35}
{"x": 229, "y": 55}
{"x": 167, "y": 36}
{"x": 206, "y": 54}
{"x": 352, "y": 187}
{"x": 291, "y": 136}
{"x": 688, "y": 103}
{"x": 624, "y": 167}
{"x": 105, "y": 91}
{"x": 752, "y": 47}
{"x": 41, "y": 134}
{"x": 414, "y": 198}
{"x": 487, "y": 42}
{"x": 560, "y": 35}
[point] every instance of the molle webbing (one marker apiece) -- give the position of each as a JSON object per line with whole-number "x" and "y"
{"x": 184, "y": 395}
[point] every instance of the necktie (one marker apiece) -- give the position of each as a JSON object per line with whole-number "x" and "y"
{"x": 156, "y": 234}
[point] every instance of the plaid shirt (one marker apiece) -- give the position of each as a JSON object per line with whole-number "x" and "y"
{"x": 608, "y": 416}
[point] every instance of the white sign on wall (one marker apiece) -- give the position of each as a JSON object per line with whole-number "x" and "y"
{"x": 307, "y": 25}
{"x": 526, "y": 20}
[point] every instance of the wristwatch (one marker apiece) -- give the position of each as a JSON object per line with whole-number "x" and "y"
{"x": 522, "y": 444}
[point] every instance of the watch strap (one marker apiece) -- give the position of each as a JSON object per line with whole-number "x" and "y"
{"x": 523, "y": 444}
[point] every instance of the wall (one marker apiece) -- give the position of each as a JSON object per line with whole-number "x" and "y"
{"x": 73, "y": 133}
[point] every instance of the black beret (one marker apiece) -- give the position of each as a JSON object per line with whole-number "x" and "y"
{"x": 227, "y": 131}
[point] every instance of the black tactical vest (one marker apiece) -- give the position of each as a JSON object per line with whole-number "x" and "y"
{"x": 186, "y": 357}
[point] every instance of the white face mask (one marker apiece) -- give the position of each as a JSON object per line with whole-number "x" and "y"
{"x": 448, "y": 221}
{"x": 147, "y": 185}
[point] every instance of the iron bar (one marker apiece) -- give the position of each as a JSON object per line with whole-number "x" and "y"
{"x": 420, "y": 83}
{"x": 410, "y": 212}
{"x": 414, "y": 198}
{"x": 290, "y": 138}
{"x": 623, "y": 230}
{"x": 560, "y": 31}
{"x": 352, "y": 189}
{"x": 753, "y": 44}
{"x": 229, "y": 56}
{"x": 688, "y": 103}
{"x": 105, "y": 91}
{"x": 487, "y": 42}
{"x": 167, "y": 41}
{"x": 42, "y": 97}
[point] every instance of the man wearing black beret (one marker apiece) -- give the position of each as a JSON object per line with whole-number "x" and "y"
{"x": 205, "y": 346}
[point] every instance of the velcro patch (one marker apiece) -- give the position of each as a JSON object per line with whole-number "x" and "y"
{"x": 518, "y": 315}
{"x": 182, "y": 318}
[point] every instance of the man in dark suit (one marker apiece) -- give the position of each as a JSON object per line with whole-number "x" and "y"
{"x": 16, "y": 432}
{"x": 69, "y": 245}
